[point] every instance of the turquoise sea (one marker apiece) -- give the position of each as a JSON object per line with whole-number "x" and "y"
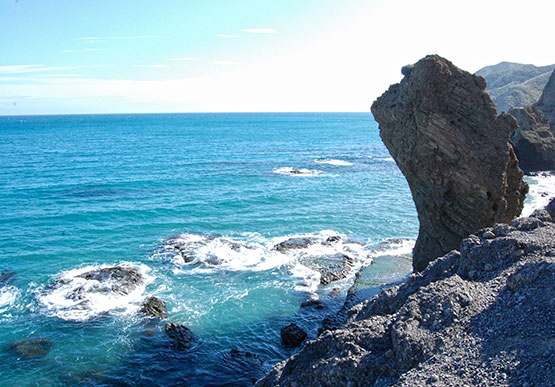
{"x": 79, "y": 193}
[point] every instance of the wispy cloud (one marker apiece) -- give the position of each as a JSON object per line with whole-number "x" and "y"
{"x": 223, "y": 62}
{"x": 32, "y": 68}
{"x": 260, "y": 30}
{"x": 227, "y": 36}
{"x": 184, "y": 59}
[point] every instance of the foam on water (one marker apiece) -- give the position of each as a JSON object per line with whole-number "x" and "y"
{"x": 297, "y": 172}
{"x": 542, "y": 188}
{"x": 71, "y": 297}
{"x": 388, "y": 159}
{"x": 8, "y": 296}
{"x": 333, "y": 162}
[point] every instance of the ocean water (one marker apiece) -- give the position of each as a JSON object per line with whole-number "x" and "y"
{"x": 196, "y": 203}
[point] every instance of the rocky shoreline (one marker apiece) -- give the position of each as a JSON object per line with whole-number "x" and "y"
{"x": 481, "y": 316}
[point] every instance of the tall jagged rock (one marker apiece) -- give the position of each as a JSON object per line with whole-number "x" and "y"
{"x": 533, "y": 141}
{"x": 546, "y": 103}
{"x": 442, "y": 129}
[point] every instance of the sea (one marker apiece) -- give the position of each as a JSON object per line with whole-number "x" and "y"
{"x": 196, "y": 204}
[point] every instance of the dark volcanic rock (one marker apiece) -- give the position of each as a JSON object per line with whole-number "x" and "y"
{"x": 181, "y": 336}
{"x": 118, "y": 279}
{"x": 154, "y": 307}
{"x": 292, "y": 336}
{"x": 533, "y": 141}
{"x": 35, "y": 347}
{"x": 295, "y": 243}
{"x": 442, "y": 129}
{"x": 331, "y": 267}
{"x": 484, "y": 316}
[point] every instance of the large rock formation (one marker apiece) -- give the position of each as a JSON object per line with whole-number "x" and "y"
{"x": 514, "y": 84}
{"x": 484, "y": 316}
{"x": 442, "y": 129}
{"x": 546, "y": 103}
{"x": 534, "y": 140}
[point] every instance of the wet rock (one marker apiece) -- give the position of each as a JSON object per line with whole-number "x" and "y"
{"x": 118, "y": 279}
{"x": 292, "y": 336}
{"x": 154, "y": 307}
{"x": 32, "y": 347}
{"x": 295, "y": 243}
{"x": 181, "y": 336}
{"x": 442, "y": 129}
{"x": 533, "y": 140}
{"x": 312, "y": 303}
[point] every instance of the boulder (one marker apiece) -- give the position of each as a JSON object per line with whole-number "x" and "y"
{"x": 118, "y": 279}
{"x": 295, "y": 243}
{"x": 181, "y": 336}
{"x": 442, "y": 129}
{"x": 533, "y": 141}
{"x": 154, "y": 307}
{"x": 292, "y": 336}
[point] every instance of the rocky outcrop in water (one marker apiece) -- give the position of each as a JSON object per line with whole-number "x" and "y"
{"x": 442, "y": 129}
{"x": 514, "y": 84}
{"x": 292, "y": 336}
{"x": 481, "y": 316}
{"x": 117, "y": 279}
{"x": 154, "y": 307}
{"x": 181, "y": 336}
{"x": 534, "y": 140}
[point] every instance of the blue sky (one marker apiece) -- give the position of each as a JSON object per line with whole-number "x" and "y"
{"x": 96, "y": 56}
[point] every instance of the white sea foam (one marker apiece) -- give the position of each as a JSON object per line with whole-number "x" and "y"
{"x": 387, "y": 159}
{"x": 71, "y": 297}
{"x": 8, "y": 296}
{"x": 333, "y": 162}
{"x": 303, "y": 172}
{"x": 395, "y": 247}
{"x": 542, "y": 188}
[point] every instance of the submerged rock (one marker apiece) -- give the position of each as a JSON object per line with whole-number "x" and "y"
{"x": 154, "y": 307}
{"x": 118, "y": 279}
{"x": 331, "y": 267}
{"x": 32, "y": 347}
{"x": 245, "y": 357}
{"x": 442, "y": 129}
{"x": 7, "y": 277}
{"x": 181, "y": 336}
{"x": 292, "y": 336}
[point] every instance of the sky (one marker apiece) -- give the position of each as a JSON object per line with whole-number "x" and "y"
{"x": 145, "y": 56}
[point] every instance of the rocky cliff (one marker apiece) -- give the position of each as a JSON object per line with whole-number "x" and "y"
{"x": 514, "y": 84}
{"x": 546, "y": 103}
{"x": 533, "y": 140}
{"x": 442, "y": 129}
{"x": 481, "y": 316}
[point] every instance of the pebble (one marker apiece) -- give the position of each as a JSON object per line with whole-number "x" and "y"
{"x": 488, "y": 235}
{"x": 433, "y": 379}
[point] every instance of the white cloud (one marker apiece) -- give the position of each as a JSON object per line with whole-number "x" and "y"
{"x": 22, "y": 69}
{"x": 260, "y": 30}
{"x": 100, "y": 39}
{"x": 227, "y": 36}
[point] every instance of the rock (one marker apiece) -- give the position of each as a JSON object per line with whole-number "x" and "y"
{"x": 32, "y": 347}
{"x": 551, "y": 208}
{"x": 533, "y": 141}
{"x": 292, "y": 336}
{"x": 154, "y": 307}
{"x": 331, "y": 267}
{"x": 546, "y": 103}
{"x": 118, "y": 279}
{"x": 442, "y": 129}
{"x": 445, "y": 326}
{"x": 514, "y": 84}
{"x": 488, "y": 235}
{"x": 181, "y": 336}
{"x": 295, "y": 243}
